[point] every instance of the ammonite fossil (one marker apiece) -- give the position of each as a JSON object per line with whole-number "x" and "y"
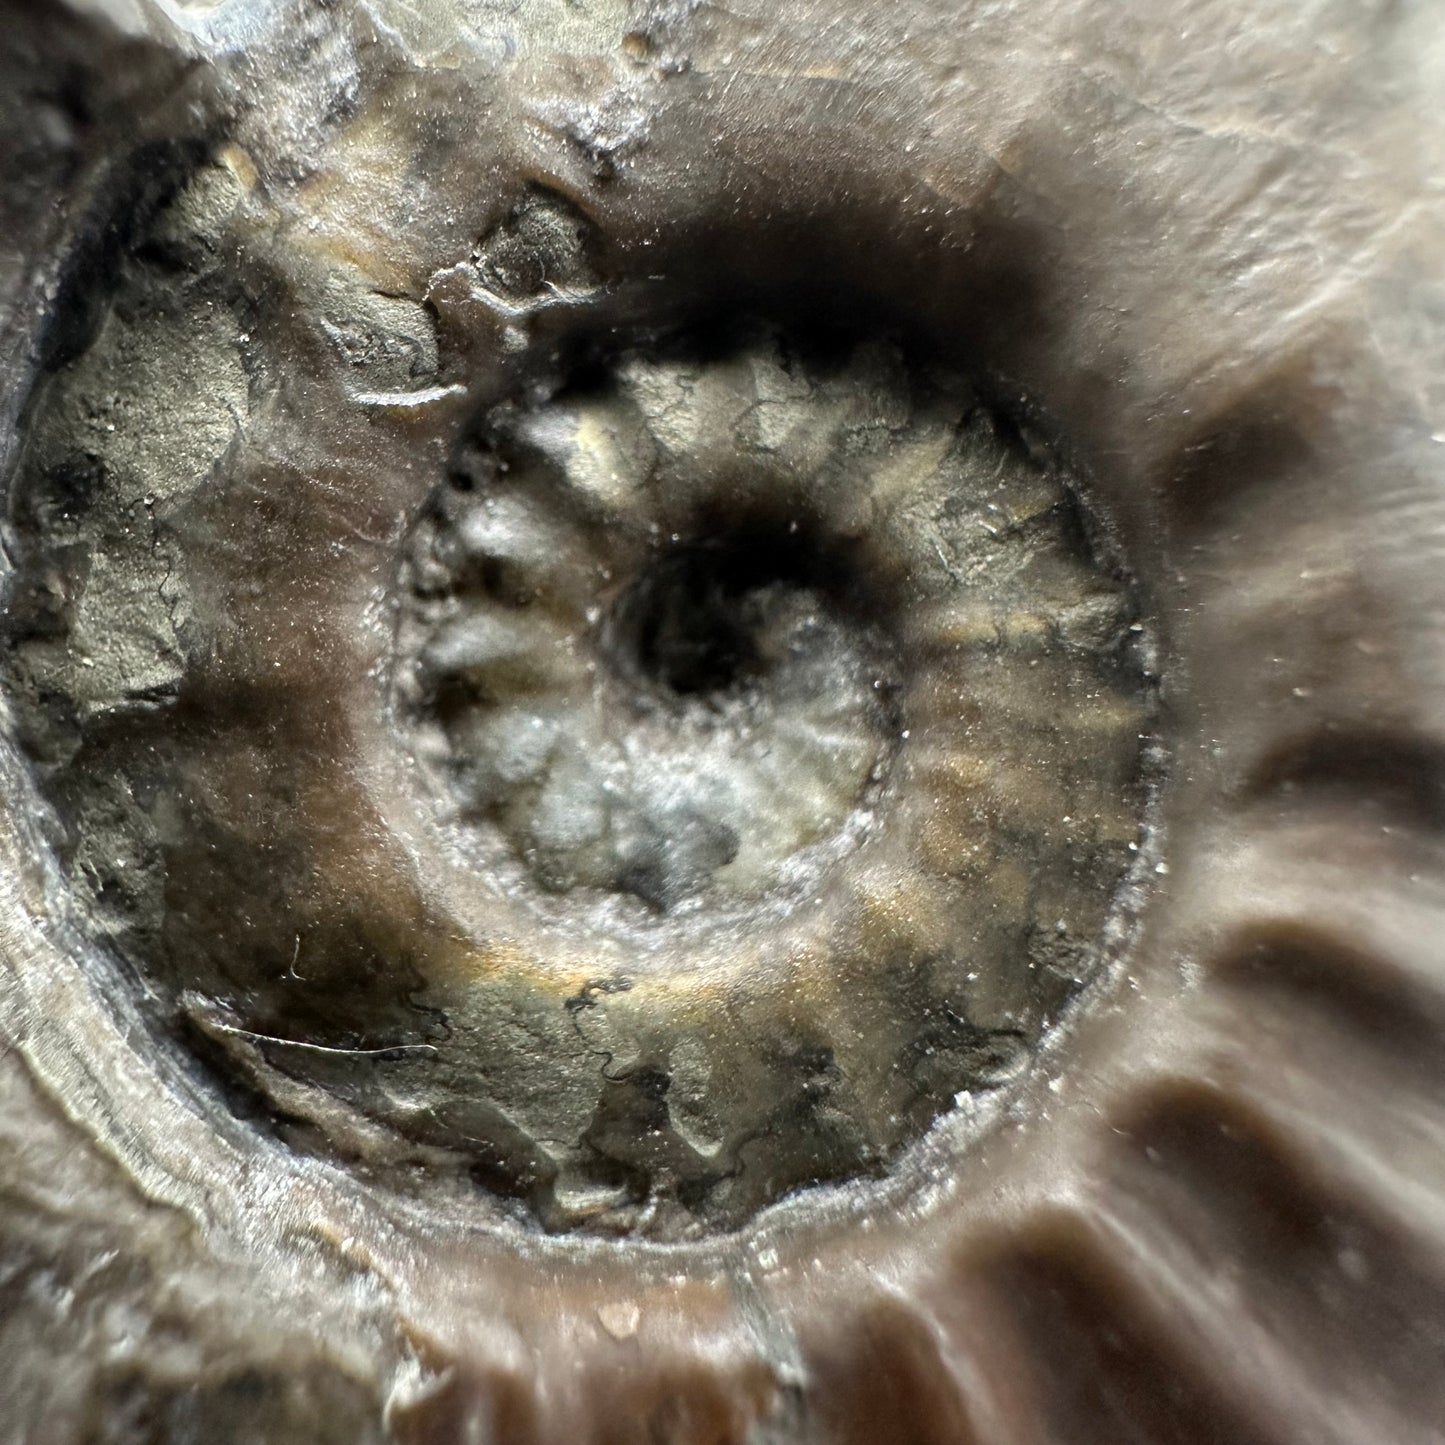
{"x": 722, "y": 725}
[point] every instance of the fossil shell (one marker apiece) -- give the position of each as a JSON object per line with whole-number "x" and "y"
{"x": 722, "y": 725}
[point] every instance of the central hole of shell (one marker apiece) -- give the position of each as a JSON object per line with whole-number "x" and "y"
{"x": 701, "y": 624}
{"x": 707, "y": 720}
{"x": 691, "y": 626}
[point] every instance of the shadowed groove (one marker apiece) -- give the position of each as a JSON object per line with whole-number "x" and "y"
{"x": 1390, "y": 772}
{"x": 1102, "y": 1367}
{"x": 1298, "y": 1008}
{"x": 1223, "y": 1218}
{"x": 1270, "y": 430}
{"x": 1351, "y": 992}
{"x": 886, "y": 1377}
